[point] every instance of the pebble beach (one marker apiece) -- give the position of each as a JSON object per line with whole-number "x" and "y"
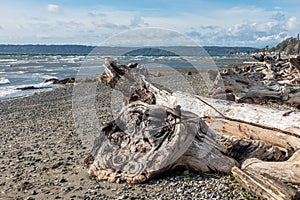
{"x": 41, "y": 156}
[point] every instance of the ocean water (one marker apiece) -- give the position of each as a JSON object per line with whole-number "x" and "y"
{"x": 19, "y": 71}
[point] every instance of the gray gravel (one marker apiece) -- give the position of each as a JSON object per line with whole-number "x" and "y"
{"x": 41, "y": 157}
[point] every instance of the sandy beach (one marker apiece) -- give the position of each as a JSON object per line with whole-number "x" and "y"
{"x": 41, "y": 157}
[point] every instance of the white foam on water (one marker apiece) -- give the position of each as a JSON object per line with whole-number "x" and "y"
{"x": 45, "y": 76}
{"x": 18, "y": 72}
{"x": 12, "y": 91}
{"x": 4, "y": 81}
{"x": 19, "y": 62}
{"x": 7, "y": 91}
{"x": 50, "y": 69}
{"x": 8, "y": 60}
{"x": 43, "y": 85}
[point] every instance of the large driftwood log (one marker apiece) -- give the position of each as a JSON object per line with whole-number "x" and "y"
{"x": 264, "y": 187}
{"x": 287, "y": 171}
{"x": 216, "y": 112}
{"x": 261, "y": 82}
{"x": 266, "y": 179}
{"x": 245, "y": 121}
{"x": 148, "y": 139}
{"x": 203, "y": 153}
{"x": 244, "y": 149}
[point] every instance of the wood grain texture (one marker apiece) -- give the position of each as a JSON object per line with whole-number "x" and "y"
{"x": 157, "y": 130}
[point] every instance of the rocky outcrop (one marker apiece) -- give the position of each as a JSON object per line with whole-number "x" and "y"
{"x": 290, "y": 46}
{"x": 63, "y": 81}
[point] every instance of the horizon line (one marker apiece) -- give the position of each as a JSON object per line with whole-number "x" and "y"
{"x": 89, "y": 45}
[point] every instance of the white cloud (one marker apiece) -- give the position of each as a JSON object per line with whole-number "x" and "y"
{"x": 43, "y": 36}
{"x": 247, "y": 26}
{"x": 138, "y": 21}
{"x": 271, "y": 38}
{"x": 293, "y": 24}
{"x": 149, "y": 37}
{"x": 68, "y": 24}
{"x": 249, "y": 33}
{"x": 53, "y": 8}
{"x": 96, "y": 14}
{"x": 236, "y": 15}
{"x": 279, "y": 16}
{"x": 108, "y": 25}
{"x": 277, "y": 8}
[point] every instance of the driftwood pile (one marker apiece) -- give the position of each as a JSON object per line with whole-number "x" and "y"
{"x": 261, "y": 82}
{"x": 157, "y": 131}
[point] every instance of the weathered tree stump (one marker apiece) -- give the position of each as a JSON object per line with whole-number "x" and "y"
{"x": 148, "y": 139}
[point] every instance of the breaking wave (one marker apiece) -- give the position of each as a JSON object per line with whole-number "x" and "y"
{"x": 4, "y": 81}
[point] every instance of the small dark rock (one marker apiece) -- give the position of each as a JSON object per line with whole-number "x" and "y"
{"x": 34, "y": 192}
{"x": 56, "y": 165}
{"x": 30, "y": 198}
{"x": 25, "y": 186}
{"x": 63, "y": 180}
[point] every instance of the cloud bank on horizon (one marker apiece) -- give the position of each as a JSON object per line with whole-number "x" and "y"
{"x": 236, "y": 23}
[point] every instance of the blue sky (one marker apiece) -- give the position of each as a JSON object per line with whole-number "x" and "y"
{"x": 217, "y": 22}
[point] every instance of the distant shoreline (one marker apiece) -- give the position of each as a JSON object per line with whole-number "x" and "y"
{"x": 134, "y": 51}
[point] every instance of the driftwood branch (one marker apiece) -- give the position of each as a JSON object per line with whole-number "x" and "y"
{"x": 287, "y": 171}
{"x": 266, "y": 179}
{"x": 261, "y": 82}
{"x": 264, "y": 187}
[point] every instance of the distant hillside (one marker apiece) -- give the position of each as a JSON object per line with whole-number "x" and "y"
{"x": 115, "y": 51}
{"x": 289, "y": 46}
{"x": 45, "y": 49}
